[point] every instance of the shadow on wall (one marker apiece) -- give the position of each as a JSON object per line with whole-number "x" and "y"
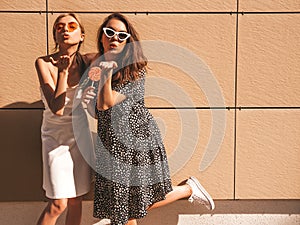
{"x": 21, "y": 155}
{"x": 21, "y": 160}
{"x": 25, "y": 105}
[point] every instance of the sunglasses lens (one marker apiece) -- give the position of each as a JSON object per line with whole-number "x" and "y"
{"x": 109, "y": 32}
{"x": 59, "y": 27}
{"x": 123, "y": 36}
{"x": 72, "y": 26}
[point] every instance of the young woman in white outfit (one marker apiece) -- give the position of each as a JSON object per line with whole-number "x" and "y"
{"x": 66, "y": 174}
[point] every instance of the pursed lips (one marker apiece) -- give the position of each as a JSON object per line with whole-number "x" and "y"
{"x": 65, "y": 35}
{"x": 113, "y": 45}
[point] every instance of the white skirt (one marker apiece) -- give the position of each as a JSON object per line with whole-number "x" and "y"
{"x": 66, "y": 173}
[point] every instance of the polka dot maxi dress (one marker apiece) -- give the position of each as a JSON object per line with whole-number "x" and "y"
{"x": 132, "y": 170}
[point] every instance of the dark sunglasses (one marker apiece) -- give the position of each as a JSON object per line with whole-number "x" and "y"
{"x": 71, "y": 26}
{"x": 122, "y": 36}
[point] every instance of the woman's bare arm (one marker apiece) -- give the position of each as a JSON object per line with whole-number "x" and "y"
{"x": 53, "y": 85}
{"x": 107, "y": 97}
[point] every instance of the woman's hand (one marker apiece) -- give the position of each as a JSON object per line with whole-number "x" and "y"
{"x": 63, "y": 62}
{"x": 106, "y": 97}
{"x": 107, "y": 67}
{"x": 88, "y": 94}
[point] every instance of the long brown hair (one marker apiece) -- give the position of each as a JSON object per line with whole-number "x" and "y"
{"x": 132, "y": 59}
{"x": 64, "y": 15}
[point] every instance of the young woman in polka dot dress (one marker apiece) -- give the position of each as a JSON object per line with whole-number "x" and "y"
{"x": 132, "y": 169}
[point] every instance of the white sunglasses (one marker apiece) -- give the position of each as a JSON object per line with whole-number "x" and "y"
{"x": 122, "y": 36}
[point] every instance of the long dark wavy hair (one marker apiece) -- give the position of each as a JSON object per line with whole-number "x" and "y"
{"x": 132, "y": 58}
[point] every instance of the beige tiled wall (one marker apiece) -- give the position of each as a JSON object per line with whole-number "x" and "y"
{"x": 247, "y": 59}
{"x": 269, "y": 68}
{"x": 187, "y": 134}
{"x": 23, "y": 39}
{"x": 268, "y": 154}
{"x": 19, "y": 6}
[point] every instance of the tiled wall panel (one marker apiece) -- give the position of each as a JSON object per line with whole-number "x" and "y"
{"x": 268, "y": 154}
{"x": 209, "y": 39}
{"x": 269, "y": 56}
{"x": 23, "y": 40}
{"x": 24, "y": 5}
{"x": 188, "y": 136}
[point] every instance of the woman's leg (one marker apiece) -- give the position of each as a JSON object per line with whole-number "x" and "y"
{"x": 192, "y": 189}
{"x": 178, "y": 192}
{"x": 52, "y": 211}
{"x": 74, "y": 211}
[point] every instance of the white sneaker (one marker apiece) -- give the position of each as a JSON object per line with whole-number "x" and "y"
{"x": 199, "y": 194}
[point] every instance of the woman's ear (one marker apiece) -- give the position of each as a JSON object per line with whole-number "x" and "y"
{"x": 82, "y": 37}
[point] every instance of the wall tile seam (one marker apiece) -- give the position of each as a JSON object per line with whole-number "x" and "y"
{"x": 148, "y": 12}
{"x": 108, "y": 12}
{"x": 239, "y": 108}
{"x": 16, "y": 109}
{"x": 232, "y": 107}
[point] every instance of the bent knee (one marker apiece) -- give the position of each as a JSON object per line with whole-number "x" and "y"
{"x": 58, "y": 206}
